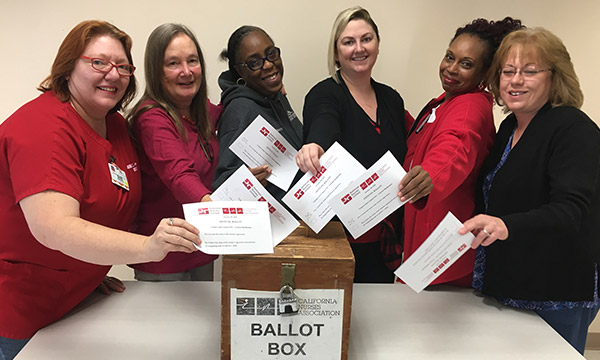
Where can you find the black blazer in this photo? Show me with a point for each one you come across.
(548, 195)
(331, 114)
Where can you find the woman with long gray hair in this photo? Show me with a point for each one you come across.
(173, 125)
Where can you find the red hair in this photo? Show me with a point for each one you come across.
(72, 48)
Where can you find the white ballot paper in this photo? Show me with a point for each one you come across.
(243, 186)
(231, 227)
(309, 197)
(371, 197)
(439, 251)
(261, 144)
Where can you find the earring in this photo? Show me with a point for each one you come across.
(241, 82)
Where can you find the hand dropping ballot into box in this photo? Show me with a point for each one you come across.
(231, 227)
(261, 144)
(439, 251)
(243, 186)
(371, 197)
(309, 197)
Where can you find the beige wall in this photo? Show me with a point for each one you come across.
(414, 35)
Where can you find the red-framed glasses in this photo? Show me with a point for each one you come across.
(105, 66)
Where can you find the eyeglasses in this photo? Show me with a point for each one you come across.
(257, 63)
(105, 66)
(528, 73)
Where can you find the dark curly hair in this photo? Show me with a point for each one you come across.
(490, 33)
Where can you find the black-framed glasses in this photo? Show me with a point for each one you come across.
(105, 66)
(273, 54)
(528, 73)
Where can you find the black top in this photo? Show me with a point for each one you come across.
(242, 105)
(331, 114)
(548, 195)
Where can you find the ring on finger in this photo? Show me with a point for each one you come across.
(487, 234)
(171, 221)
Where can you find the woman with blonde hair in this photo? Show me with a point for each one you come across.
(541, 189)
(367, 119)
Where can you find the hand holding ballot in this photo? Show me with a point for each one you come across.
(415, 185)
(308, 157)
(486, 229)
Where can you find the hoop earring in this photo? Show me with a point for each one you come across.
(240, 82)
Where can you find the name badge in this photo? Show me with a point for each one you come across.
(118, 176)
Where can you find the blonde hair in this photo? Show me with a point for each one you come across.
(550, 50)
(343, 18)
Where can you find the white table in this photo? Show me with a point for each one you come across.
(181, 320)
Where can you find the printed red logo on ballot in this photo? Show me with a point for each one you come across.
(462, 247)
(264, 131)
(240, 210)
(203, 211)
(374, 176)
(280, 146)
(346, 199)
(299, 194)
(225, 211)
(247, 184)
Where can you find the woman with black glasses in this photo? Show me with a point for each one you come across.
(173, 125)
(253, 86)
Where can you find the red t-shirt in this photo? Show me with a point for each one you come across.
(46, 145)
(175, 171)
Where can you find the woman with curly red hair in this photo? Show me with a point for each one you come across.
(451, 137)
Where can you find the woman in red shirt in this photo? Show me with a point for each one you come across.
(70, 187)
(174, 128)
(452, 136)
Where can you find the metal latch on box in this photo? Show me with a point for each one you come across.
(288, 305)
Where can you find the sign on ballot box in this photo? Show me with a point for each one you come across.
(252, 324)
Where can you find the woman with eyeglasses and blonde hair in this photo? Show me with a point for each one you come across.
(70, 188)
(537, 242)
(173, 125)
(253, 86)
(368, 119)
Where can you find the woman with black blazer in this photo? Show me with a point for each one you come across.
(541, 189)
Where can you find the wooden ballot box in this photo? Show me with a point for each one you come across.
(320, 261)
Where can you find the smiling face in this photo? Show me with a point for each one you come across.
(93, 93)
(267, 81)
(357, 48)
(182, 72)
(525, 95)
(461, 69)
